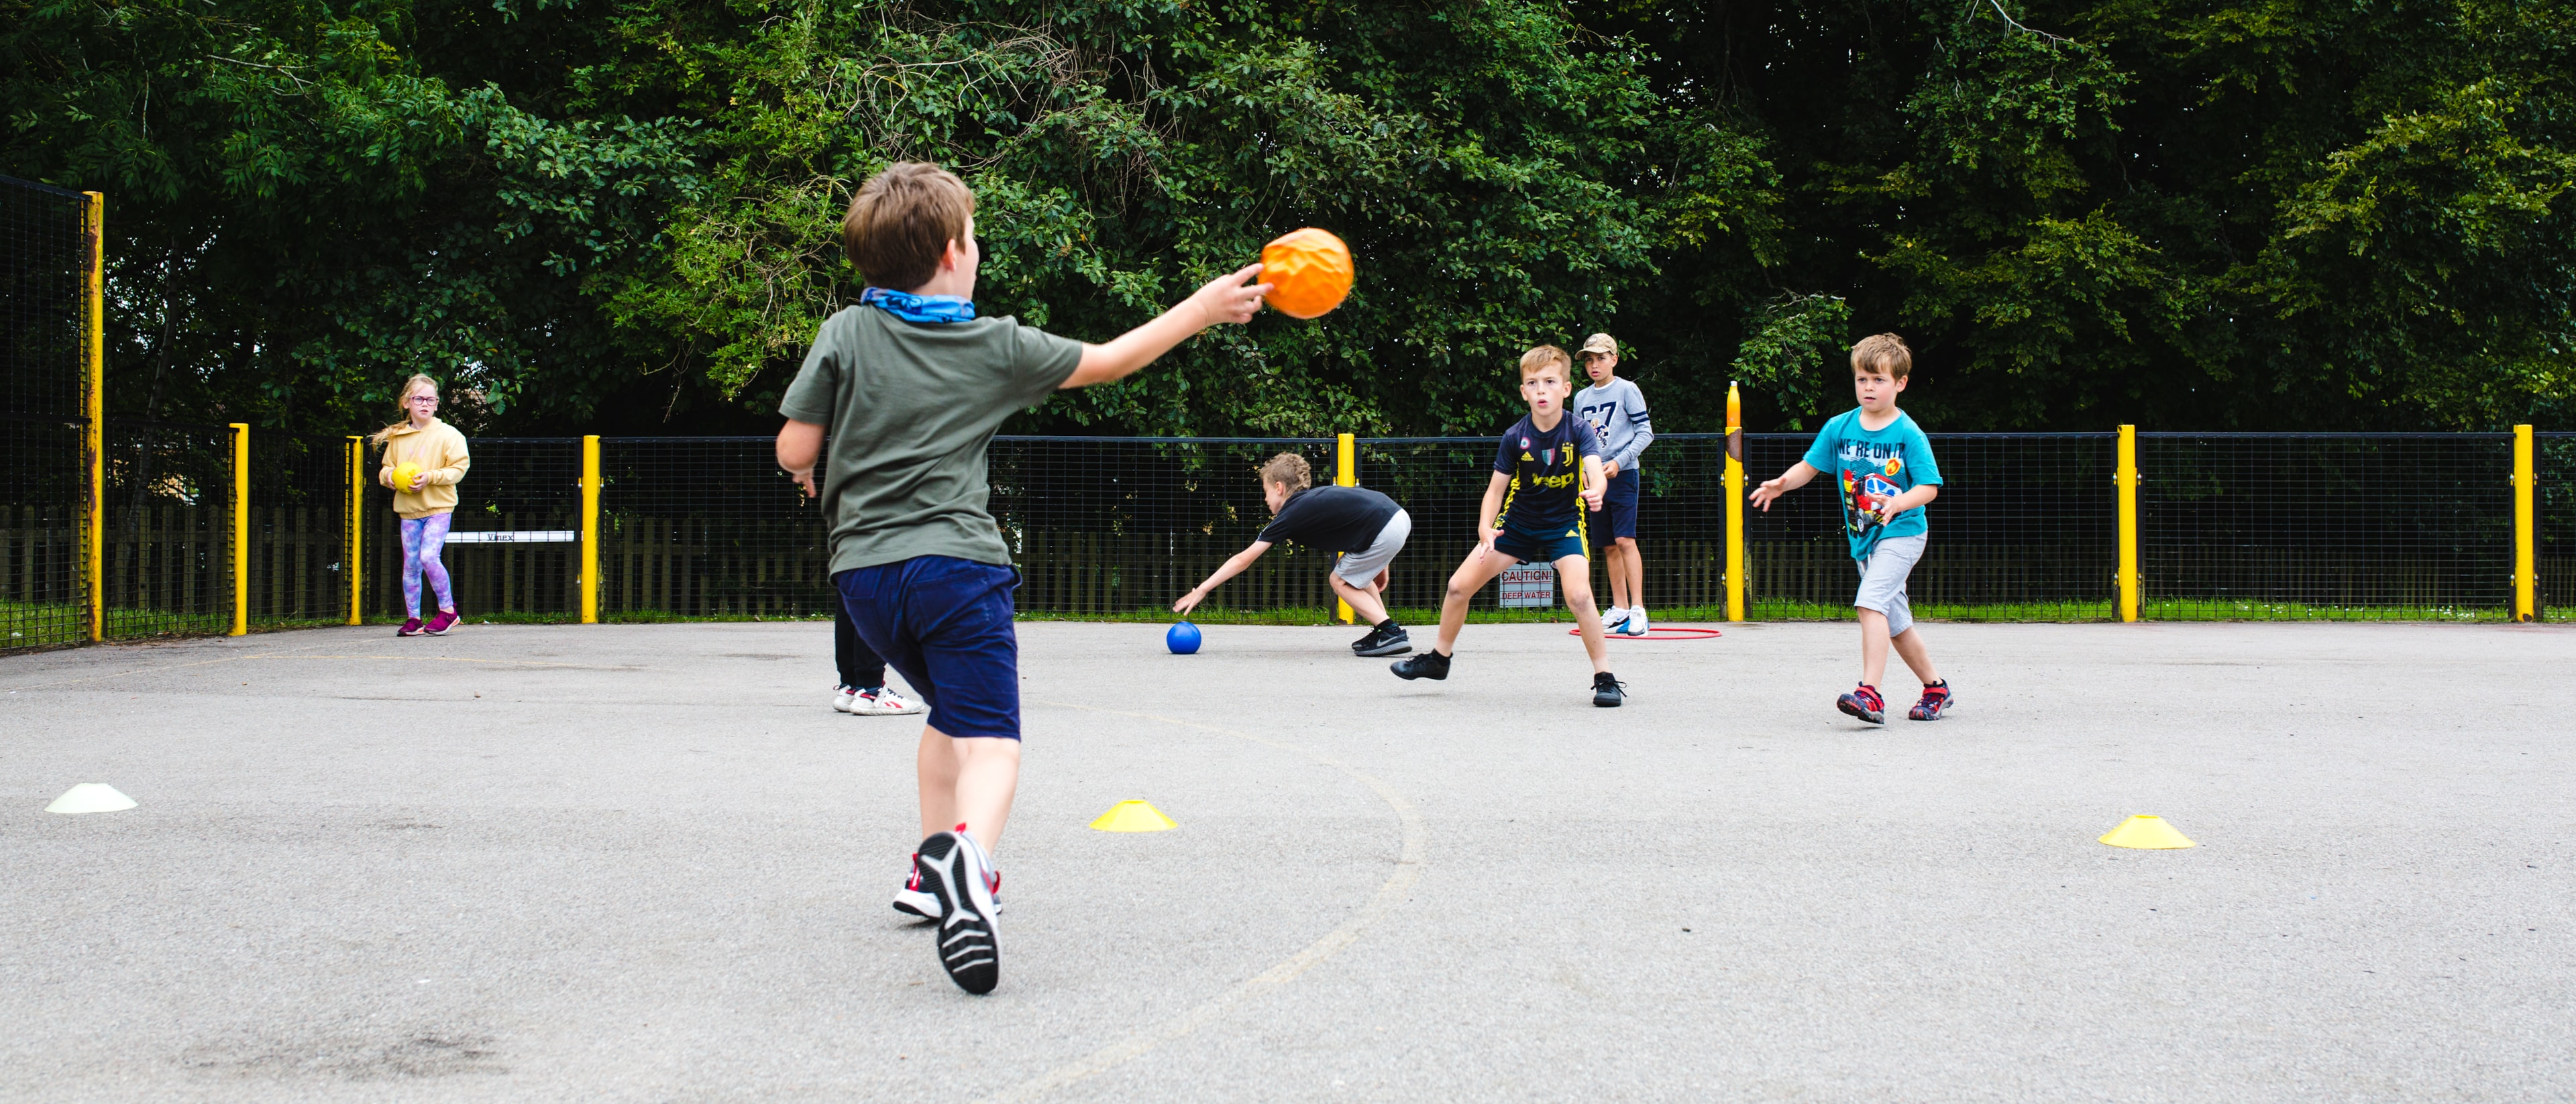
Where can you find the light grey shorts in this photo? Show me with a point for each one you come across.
(1882, 580)
(1360, 568)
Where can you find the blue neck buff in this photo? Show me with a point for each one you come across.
(919, 308)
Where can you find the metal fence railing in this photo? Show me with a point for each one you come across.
(2234, 526)
(45, 324)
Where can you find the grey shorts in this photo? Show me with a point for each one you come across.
(1360, 568)
(1882, 580)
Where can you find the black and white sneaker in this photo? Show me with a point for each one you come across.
(1430, 665)
(1607, 692)
(1383, 641)
(912, 900)
(953, 869)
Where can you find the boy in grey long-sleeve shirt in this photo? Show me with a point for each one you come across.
(1617, 413)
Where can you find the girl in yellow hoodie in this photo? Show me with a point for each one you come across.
(427, 503)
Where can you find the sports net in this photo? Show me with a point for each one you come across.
(167, 538)
(43, 326)
(2317, 526)
(2554, 504)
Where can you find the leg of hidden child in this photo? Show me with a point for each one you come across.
(862, 689)
(1367, 527)
(1546, 479)
(910, 387)
(430, 458)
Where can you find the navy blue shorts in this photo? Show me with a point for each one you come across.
(946, 624)
(1537, 548)
(1618, 516)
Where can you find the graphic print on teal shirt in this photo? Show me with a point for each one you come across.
(1869, 467)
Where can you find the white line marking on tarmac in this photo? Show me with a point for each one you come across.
(317, 655)
(1408, 870)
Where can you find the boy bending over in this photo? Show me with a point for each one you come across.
(912, 386)
(1368, 528)
(1884, 467)
(1545, 462)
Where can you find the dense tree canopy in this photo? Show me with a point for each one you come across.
(620, 215)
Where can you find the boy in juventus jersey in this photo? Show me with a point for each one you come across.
(1547, 480)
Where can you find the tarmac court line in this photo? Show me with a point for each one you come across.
(1398, 885)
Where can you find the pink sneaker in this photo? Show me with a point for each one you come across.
(439, 625)
(409, 628)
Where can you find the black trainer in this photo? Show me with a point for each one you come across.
(953, 869)
(1383, 641)
(1430, 665)
(1607, 692)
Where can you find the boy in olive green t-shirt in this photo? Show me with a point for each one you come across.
(912, 386)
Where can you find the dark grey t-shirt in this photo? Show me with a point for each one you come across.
(911, 407)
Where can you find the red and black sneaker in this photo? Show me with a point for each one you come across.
(1936, 697)
(1863, 702)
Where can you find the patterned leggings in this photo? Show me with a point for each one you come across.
(422, 540)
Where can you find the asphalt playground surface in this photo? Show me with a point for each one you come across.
(648, 863)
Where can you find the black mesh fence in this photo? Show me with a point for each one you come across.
(43, 314)
(2554, 506)
(2278, 526)
(513, 545)
(2026, 528)
(299, 518)
(706, 527)
(167, 546)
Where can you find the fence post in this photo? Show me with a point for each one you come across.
(1346, 473)
(94, 416)
(2526, 551)
(356, 540)
(2127, 479)
(1734, 503)
(590, 530)
(241, 528)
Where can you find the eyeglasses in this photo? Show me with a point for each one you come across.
(430, 399)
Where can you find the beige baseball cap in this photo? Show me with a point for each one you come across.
(1599, 343)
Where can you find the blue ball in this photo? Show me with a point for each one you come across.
(1183, 639)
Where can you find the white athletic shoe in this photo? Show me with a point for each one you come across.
(842, 697)
(881, 702)
(1636, 625)
(1614, 619)
(954, 870)
(912, 900)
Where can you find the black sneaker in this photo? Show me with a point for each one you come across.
(1383, 642)
(953, 870)
(1607, 692)
(1430, 665)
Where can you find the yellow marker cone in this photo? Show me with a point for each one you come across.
(1132, 815)
(90, 797)
(2146, 833)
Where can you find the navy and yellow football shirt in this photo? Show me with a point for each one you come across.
(1544, 499)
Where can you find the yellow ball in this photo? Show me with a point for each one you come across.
(404, 473)
(1309, 272)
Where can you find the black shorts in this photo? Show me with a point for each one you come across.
(1618, 516)
(1546, 548)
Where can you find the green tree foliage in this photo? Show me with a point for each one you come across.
(620, 214)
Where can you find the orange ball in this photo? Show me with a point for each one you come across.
(1309, 272)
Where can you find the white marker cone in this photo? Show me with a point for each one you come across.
(90, 797)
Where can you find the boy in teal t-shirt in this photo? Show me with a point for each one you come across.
(1883, 467)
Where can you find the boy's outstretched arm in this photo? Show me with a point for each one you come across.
(1227, 570)
(1224, 299)
(1790, 480)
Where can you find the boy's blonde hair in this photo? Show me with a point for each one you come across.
(901, 222)
(1886, 352)
(402, 402)
(1288, 468)
(1543, 356)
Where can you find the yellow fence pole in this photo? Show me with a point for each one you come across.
(2526, 547)
(1734, 503)
(355, 557)
(94, 416)
(590, 530)
(1346, 473)
(2127, 480)
(241, 528)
